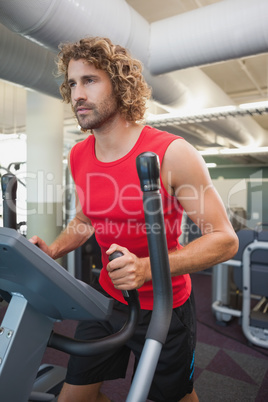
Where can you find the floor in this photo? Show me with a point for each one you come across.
(227, 369)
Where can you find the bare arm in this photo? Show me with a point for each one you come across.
(185, 176)
(189, 181)
(76, 233)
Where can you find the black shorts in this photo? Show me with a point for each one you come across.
(173, 378)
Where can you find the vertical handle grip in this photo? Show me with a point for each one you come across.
(128, 294)
(148, 168)
(9, 191)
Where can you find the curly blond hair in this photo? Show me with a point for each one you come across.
(129, 86)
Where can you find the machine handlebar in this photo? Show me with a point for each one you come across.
(148, 168)
(94, 347)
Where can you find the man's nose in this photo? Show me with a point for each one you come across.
(79, 93)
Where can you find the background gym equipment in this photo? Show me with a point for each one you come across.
(248, 270)
(9, 194)
(40, 292)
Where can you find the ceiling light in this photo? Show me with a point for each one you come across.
(5, 137)
(234, 151)
(203, 115)
(244, 150)
(208, 152)
(254, 105)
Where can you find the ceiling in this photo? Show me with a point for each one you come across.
(240, 80)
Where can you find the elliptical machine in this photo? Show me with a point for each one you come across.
(40, 292)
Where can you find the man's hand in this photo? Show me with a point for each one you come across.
(128, 271)
(41, 244)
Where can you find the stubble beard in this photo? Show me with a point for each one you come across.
(99, 115)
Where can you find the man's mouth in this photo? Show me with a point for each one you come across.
(82, 110)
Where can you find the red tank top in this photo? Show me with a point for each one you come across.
(111, 198)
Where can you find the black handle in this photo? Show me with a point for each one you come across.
(94, 347)
(115, 255)
(9, 191)
(148, 168)
(98, 346)
(9, 186)
(149, 175)
(128, 294)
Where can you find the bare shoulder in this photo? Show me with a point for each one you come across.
(181, 151)
(183, 164)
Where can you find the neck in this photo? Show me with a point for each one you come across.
(115, 141)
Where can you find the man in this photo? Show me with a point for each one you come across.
(108, 95)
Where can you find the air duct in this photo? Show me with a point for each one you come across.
(49, 22)
(26, 63)
(44, 22)
(225, 30)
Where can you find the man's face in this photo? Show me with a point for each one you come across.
(92, 95)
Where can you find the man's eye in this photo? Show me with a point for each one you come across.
(71, 84)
